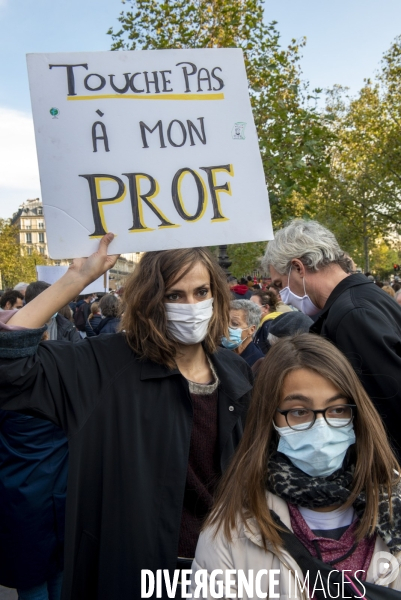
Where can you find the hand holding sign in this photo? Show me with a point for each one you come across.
(89, 269)
(82, 272)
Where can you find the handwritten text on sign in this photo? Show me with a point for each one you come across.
(157, 164)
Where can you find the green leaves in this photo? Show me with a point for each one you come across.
(361, 197)
(341, 165)
(293, 137)
(14, 266)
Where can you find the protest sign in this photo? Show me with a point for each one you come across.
(51, 274)
(158, 146)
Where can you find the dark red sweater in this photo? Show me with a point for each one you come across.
(203, 471)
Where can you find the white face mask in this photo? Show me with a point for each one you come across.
(302, 303)
(188, 323)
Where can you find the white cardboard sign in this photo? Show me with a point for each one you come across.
(51, 274)
(157, 146)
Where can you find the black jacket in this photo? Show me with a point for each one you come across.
(91, 325)
(66, 330)
(365, 324)
(129, 428)
(251, 354)
(107, 325)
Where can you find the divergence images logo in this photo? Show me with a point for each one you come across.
(385, 568)
(54, 112)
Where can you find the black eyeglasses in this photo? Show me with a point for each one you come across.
(304, 418)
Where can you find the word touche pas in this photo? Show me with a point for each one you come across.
(190, 78)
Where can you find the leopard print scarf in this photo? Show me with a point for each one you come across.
(294, 486)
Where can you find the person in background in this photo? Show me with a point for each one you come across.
(249, 281)
(21, 287)
(281, 307)
(307, 265)
(289, 324)
(285, 325)
(33, 487)
(244, 319)
(67, 313)
(82, 312)
(397, 297)
(94, 319)
(267, 301)
(240, 290)
(109, 307)
(11, 299)
(389, 290)
(314, 477)
(58, 328)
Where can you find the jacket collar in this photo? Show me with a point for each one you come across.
(233, 381)
(268, 317)
(348, 282)
(152, 370)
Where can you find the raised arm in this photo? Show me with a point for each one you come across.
(80, 274)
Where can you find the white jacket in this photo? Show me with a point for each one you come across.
(246, 553)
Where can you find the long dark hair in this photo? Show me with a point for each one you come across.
(144, 319)
(242, 491)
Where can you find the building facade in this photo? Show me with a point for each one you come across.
(30, 222)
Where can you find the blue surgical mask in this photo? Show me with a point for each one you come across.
(235, 340)
(318, 451)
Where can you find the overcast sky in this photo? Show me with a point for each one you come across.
(345, 43)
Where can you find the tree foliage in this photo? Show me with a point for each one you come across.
(14, 266)
(341, 165)
(293, 136)
(360, 198)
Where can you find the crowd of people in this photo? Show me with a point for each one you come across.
(198, 424)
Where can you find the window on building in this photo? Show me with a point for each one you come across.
(27, 224)
(41, 250)
(41, 225)
(41, 237)
(29, 250)
(40, 211)
(28, 238)
(57, 263)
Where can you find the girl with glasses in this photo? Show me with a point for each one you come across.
(314, 476)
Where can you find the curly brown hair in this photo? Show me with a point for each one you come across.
(144, 320)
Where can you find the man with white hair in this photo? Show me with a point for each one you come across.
(312, 272)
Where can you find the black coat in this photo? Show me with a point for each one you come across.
(365, 324)
(66, 330)
(129, 428)
(251, 354)
(91, 325)
(261, 337)
(107, 325)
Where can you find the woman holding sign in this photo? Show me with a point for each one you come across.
(153, 415)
